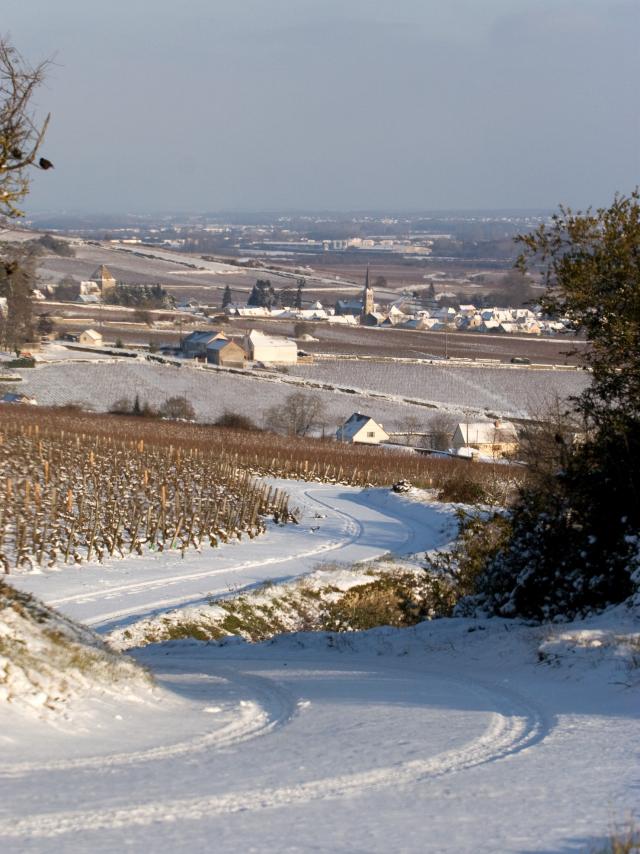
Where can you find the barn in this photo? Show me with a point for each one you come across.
(226, 354)
(270, 349)
(195, 345)
(90, 338)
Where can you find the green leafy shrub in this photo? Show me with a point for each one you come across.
(456, 574)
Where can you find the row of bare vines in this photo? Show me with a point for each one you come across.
(68, 496)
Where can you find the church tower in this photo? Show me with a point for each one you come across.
(367, 298)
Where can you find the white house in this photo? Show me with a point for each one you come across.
(90, 338)
(270, 349)
(490, 438)
(361, 429)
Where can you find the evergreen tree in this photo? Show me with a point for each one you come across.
(575, 540)
(262, 295)
(226, 297)
(298, 300)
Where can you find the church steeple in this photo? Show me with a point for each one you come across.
(367, 297)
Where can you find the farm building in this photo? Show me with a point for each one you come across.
(103, 279)
(226, 354)
(90, 338)
(18, 397)
(361, 429)
(196, 343)
(490, 438)
(270, 349)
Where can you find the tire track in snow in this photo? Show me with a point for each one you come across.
(353, 527)
(275, 708)
(515, 727)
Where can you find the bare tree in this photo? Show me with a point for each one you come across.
(178, 407)
(20, 140)
(409, 426)
(441, 428)
(298, 415)
(20, 134)
(547, 442)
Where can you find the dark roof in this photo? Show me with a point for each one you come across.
(14, 397)
(201, 336)
(221, 343)
(357, 417)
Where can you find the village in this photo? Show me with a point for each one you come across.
(253, 351)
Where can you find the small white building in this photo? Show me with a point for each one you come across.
(270, 349)
(361, 429)
(90, 338)
(487, 438)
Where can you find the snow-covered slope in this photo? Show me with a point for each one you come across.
(47, 662)
(449, 737)
(452, 736)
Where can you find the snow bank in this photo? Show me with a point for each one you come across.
(270, 610)
(46, 660)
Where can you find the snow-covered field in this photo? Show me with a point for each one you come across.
(454, 736)
(516, 392)
(99, 384)
(380, 390)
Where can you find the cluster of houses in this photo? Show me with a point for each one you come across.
(408, 313)
(521, 321)
(470, 439)
(216, 348)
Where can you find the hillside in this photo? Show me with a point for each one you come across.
(47, 661)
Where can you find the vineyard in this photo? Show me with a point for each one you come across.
(393, 391)
(79, 487)
(519, 393)
(98, 385)
(73, 493)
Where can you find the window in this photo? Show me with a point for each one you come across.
(371, 434)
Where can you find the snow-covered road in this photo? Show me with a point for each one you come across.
(337, 523)
(448, 737)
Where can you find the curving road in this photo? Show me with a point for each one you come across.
(356, 743)
(338, 524)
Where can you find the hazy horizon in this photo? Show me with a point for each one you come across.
(339, 107)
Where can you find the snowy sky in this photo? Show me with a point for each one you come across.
(334, 104)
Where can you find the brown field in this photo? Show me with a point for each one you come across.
(357, 340)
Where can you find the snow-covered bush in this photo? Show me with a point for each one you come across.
(574, 536)
(574, 542)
